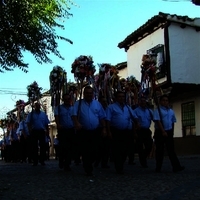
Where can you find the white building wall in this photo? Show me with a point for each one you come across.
(123, 73)
(178, 125)
(136, 51)
(49, 109)
(177, 109)
(185, 64)
(184, 54)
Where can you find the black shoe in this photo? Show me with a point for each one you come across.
(67, 169)
(61, 165)
(131, 163)
(42, 163)
(157, 170)
(77, 163)
(89, 174)
(179, 169)
(96, 164)
(144, 166)
(105, 166)
(120, 172)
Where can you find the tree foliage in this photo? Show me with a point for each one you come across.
(29, 25)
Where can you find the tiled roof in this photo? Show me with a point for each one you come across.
(121, 65)
(196, 2)
(156, 22)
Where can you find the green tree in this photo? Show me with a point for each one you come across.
(29, 25)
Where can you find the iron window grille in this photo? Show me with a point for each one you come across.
(188, 119)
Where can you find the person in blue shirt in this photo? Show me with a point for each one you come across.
(144, 134)
(7, 147)
(24, 140)
(65, 128)
(164, 118)
(105, 142)
(15, 145)
(2, 149)
(89, 120)
(120, 119)
(38, 122)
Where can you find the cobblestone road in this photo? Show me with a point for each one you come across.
(23, 181)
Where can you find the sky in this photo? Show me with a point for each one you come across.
(96, 28)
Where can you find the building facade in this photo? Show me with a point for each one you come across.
(174, 41)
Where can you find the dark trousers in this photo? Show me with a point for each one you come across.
(131, 147)
(104, 152)
(38, 141)
(56, 147)
(25, 148)
(8, 153)
(160, 142)
(144, 144)
(47, 151)
(15, 145)
(2, 153)
(77, 147)
(120, 141)
(90, 141)
(66, 146)
(23, 151)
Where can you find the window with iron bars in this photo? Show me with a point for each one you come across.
(188, 119)
(158, 54)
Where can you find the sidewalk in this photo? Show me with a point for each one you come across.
(23, 181)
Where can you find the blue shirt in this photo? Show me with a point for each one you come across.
(1, 143)
(38, 121)
(144, 116)
(55, 141)
(64, 113)
(168, 117)
(18, 132)
(23, 127)
(89, 114)
(14, 134)
(7, 140)
(120, 118)
(47, 139)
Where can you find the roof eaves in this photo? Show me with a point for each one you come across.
(121, 65)
(154, 23)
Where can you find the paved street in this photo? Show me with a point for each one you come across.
(23, 181)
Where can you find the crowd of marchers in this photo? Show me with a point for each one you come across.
(16, 145)
(94, 133)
